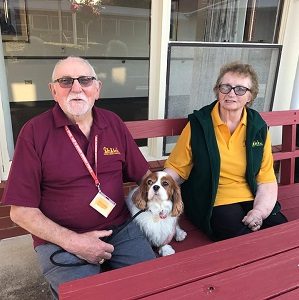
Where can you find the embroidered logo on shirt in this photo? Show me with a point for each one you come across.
(110, 151)
(257, 144)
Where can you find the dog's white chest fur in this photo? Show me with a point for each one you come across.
(159, 231)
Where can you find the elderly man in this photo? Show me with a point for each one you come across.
(66, 181)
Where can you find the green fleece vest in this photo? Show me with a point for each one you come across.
(199, 191)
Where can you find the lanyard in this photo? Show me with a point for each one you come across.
(83, 157)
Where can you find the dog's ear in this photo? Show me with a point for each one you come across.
(140, 196)
(178, 205)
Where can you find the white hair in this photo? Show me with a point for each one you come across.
(74, 58)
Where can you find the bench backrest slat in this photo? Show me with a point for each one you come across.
(283, 117)
(171, 127)
(156, 128)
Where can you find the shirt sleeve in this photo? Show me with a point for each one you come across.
(180, 159)
(135, 164)
(23, 184)
(266, 173)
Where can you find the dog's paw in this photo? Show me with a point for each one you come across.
(166, 250)
(180, 235)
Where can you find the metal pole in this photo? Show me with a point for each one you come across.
(74, 19)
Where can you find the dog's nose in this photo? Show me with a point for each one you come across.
(156, 188)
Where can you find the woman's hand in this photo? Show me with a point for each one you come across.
(263, 204)
(253, 219)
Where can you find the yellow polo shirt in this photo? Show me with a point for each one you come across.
(232, 186)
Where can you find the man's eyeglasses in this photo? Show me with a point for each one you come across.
(238, 90)
(67, 82)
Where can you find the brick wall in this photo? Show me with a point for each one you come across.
(7, 227)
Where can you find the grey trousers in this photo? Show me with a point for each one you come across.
(130, 247)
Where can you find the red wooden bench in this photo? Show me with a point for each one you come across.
(201, 268)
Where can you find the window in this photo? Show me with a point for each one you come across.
(226, 21)
(114, 36)
(194, 67)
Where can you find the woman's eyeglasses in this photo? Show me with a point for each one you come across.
(238, 90)
(67, 82)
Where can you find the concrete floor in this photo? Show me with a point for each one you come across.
(20, 277)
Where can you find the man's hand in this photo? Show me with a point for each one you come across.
(90, 247)
(253, 219)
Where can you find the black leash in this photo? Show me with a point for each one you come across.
(106, 239)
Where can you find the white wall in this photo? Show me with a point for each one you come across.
(6, 138)
(289, 38)
(160, 28)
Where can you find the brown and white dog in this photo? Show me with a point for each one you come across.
(161, 197)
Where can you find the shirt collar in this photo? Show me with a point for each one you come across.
(99, 119)
(60, 119)
(217, 120)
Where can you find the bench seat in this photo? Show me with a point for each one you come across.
(262, 265)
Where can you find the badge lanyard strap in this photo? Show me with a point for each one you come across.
(83, 157)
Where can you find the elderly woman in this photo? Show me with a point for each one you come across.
(224, 159)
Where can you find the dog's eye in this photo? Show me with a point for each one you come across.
(165, 183)
(149, 182)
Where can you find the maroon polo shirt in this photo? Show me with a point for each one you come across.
(48, 173)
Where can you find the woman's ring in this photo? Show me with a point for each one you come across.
(101, 261)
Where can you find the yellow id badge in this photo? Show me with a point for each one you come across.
(103, 204)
